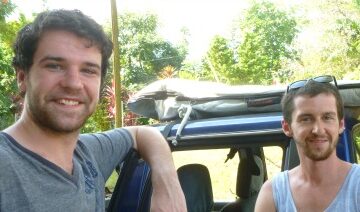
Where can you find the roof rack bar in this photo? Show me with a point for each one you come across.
(184, 113)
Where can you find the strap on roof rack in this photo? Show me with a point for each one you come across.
(184, 113)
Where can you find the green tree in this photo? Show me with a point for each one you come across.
(344, 63)
(191, 70)
(100, 120)
(219, 63)
(262, 40)
(143, 52)
(267, 37)
(328, 44)
(8, 88)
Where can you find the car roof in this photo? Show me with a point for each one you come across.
(168, 100)
(240, 124)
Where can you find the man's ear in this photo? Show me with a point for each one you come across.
(286, 128)
(21, 81)
(341, 126)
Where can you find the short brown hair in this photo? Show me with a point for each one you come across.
(69, 20)
(311, 89)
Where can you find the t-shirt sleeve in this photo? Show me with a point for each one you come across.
(108, 148)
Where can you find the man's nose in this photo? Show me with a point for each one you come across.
(72, 79)
(318, 127)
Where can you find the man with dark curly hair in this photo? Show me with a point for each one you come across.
(61, 61)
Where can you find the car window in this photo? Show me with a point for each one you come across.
(223, 175)
(273, 160)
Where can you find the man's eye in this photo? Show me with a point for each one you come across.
(329, 117)
(90, 71)
(53, 66)
(305, 119)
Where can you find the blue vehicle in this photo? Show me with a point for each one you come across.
(246, 146)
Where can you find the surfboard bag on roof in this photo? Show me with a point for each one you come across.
(164, 99)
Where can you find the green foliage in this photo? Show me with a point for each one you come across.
(357, 3)
(331, 44)
(8, 88)
(348, 63)
(143, 52)
(190, 71)
(6, 8)
(99, 120)
(356, 137)
(268, 35)
(219, 63)
(261, 41)
(187, 75)
(9, 29)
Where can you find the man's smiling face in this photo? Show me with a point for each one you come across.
(315, 125)
(63, 84)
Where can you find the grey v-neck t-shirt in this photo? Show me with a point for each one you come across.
(29, 182)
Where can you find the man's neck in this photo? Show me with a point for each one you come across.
(58, 148)
(315, 184)
(322, 171)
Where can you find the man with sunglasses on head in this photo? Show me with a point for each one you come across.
(61, 60)
(313, 114)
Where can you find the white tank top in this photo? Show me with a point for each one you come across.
(346, 200)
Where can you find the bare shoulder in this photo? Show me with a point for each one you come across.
(265, 200)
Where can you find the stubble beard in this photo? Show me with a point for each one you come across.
(47, 119)
(316, 154)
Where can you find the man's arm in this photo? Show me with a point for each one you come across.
(265, 200)
(167, 192)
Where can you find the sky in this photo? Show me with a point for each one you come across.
(203, 18)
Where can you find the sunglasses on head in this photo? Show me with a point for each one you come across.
(302, 83)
